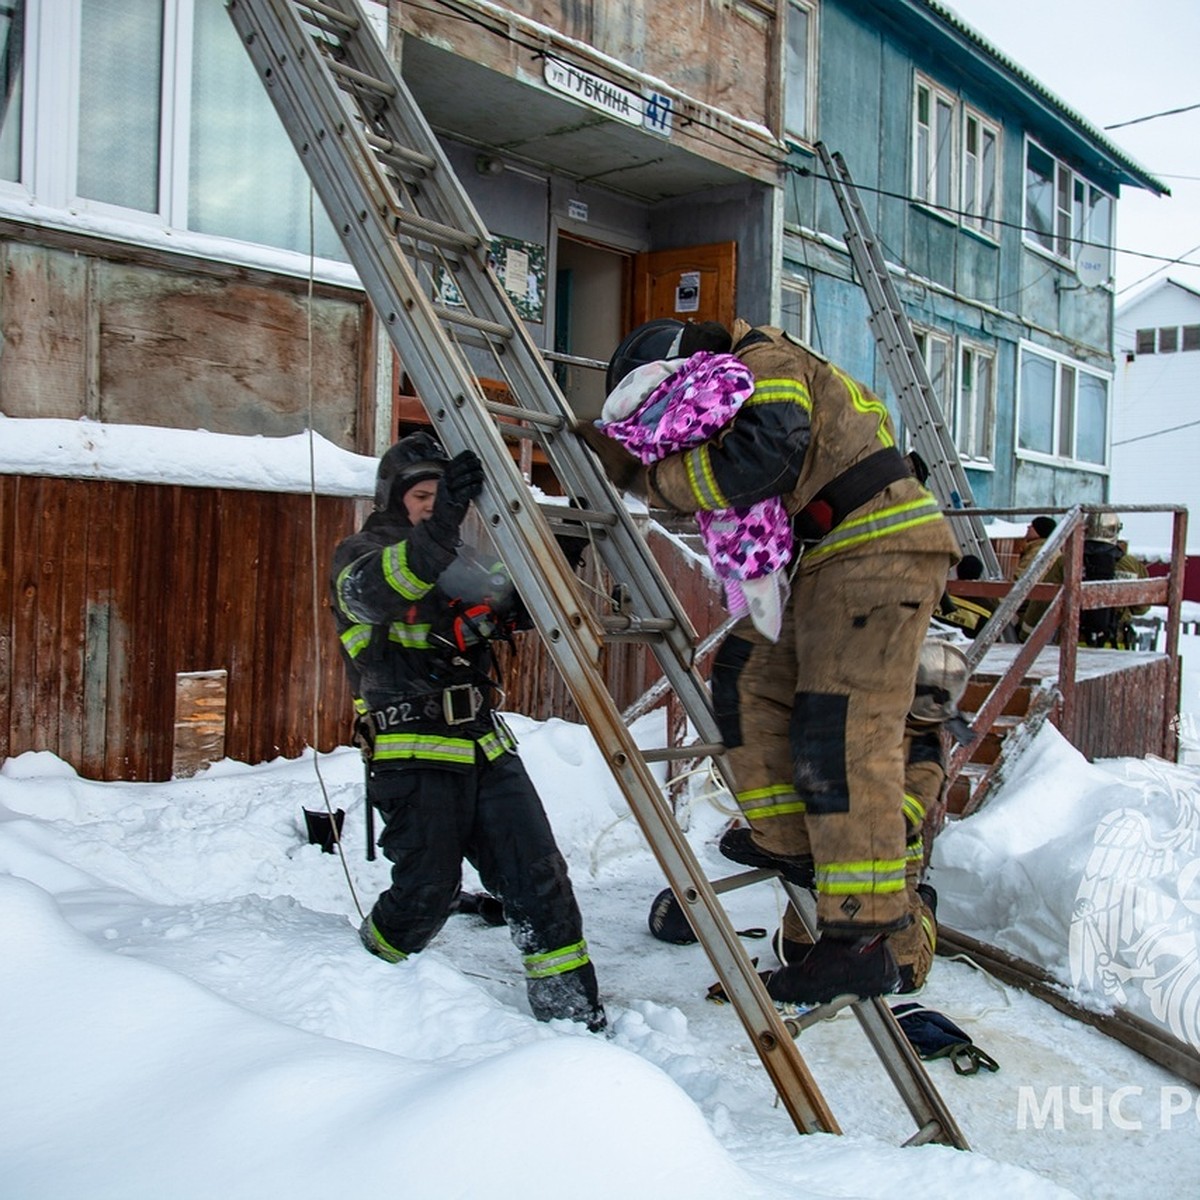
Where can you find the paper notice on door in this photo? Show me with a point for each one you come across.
(687, 293)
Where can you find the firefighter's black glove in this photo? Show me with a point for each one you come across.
(461, 483)
(624, 470)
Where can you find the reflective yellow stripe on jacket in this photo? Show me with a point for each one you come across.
(356, 638)
(698, 462)
(880, 524)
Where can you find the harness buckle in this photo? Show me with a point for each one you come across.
(460, 703)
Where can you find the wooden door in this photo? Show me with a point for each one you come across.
(696, 283)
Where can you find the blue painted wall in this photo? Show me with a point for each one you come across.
(992, 292)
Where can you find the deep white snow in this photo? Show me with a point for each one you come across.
(188, 1013)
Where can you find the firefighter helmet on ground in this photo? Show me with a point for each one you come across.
(942, 675)
(414, 458)
(668, 922)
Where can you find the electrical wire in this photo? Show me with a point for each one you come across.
(1170, 112)
(314, 548)
(1160, 270)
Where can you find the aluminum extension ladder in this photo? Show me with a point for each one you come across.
(421, 252)
(906, 368)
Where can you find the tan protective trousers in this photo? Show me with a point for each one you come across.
(821, 764)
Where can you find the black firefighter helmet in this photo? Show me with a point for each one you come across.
(664, 338)
(414, 458)
(668, 922)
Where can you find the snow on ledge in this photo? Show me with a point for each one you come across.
(86, 449)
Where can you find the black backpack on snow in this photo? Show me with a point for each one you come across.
(1100, 627)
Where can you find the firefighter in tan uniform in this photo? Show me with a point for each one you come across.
(819, 754)
(942, 677)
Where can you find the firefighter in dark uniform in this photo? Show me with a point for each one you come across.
(818, 748)
(415, 611)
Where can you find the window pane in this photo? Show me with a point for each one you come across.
(1191, 337)
(966, 401)
(982, 447)
(795, 80)
(1039, 195)
(970, 203)
(246, 180)
(1091, 419)
(1066, 411)
(987, 199)
(1037, 404)
(944, 164)
(793, 317)
(1099, 230)
(12, 38)
(923, 188)
(1168, 339)
(1064, 246)
(937, 360)
(1145, 341)
(120, 98)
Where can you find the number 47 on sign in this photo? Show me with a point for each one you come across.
(657, 113)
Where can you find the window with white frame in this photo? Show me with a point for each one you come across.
(12, 55)
(1064, 214)
(150, 112)
(799, 68)
(981, 173)
(794, 307)
(955, 158)
(975, 412)
(1062, 408)
(933, 144)
(937, 352)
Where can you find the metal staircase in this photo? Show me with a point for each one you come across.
(421, 252)
(905, 366)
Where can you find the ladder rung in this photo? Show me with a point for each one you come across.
(360, 78)
(930, 1130)
(433, 231)
(454, 317)
(822, 1012)
(344, 19)
(637, 625)
(682, 753)
(557, 514)
(731, 883)
(392, 150)
(543, 420)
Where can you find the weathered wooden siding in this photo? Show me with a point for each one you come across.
(1119, 713)
(131, 340)
(108, 590)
